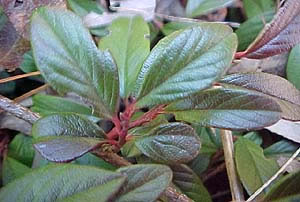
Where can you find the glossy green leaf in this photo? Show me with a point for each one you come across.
(21, 149)
(145, 182)
(257, 7)
(275, 87)
(69, 60)
(129, 44)
(188, 182)
(286, 186)
(12, 169)
(293, 70)
(281, 148)
(200, 7)
(250, 29)
(82, 8)
(170, 143)
(185, 62)
(130, 149)
(66, 124)
(252, 166)
(47, 104)
(227, 108)
(64, 148)
(65, 182)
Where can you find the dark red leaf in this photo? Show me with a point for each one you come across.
(278, 36)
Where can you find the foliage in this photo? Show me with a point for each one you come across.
(154, 105)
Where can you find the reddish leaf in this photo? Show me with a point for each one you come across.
(278, 36)
(282, 91)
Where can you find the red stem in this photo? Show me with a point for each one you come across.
(239, 55)
(148, 116)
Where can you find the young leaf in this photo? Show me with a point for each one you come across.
(250, 29)
(82, 8)
(200, 7)
(235, 109)
(28, 64)
(21, 149)
(277, 88)
(257, 7)
(66, 124)
(287, 186)
(145, 182)
(278, 36)
(66, 182)
(47, 104)
(64, 148)
(185, 62)
(12, 169)
(292, 69)
(252, 166)
(69, 60)
(170, 143)
(129, 45)
(91, 160)
(188, 182)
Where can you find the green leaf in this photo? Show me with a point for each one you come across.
(200, 7)
(249, 30)
(273, 86)
(64, 148)
(171, 27)
(281, 148)
(92, 160)
(227, 108)
(254, 137)
(65, 182)
(293, 70)
(130, 149)
(210, 142)
(66, 124)
(12, 169)
(129, 45)
(21, 149)
(257, 7)
(82, 8)
(47, 104)
(28, 64)
(293, 198)
(286, 186)
(69, 60)
(252, 166)
(170, 143)
(200, 163)
(145, 182)
(185, 62)
(188, 182)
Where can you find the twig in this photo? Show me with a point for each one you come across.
(234, 182)
(280, 171)
(30, 93)
(174, 196)
(18, 110)
(12, 78)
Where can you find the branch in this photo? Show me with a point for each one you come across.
(234, 182)
(18, 110)
(170, 193)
